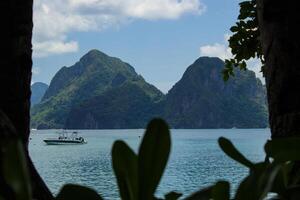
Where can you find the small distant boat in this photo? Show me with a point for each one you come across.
(65, 138)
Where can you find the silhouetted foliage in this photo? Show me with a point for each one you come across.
(244, 41)
(138, 175)
(276, 175)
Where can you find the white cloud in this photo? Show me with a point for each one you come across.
(223, 51)
(143, 9)
(163, 9)
(42, 49)
(255, 65)
(216, 50)
(54, 19)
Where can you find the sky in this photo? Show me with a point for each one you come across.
(159, 38)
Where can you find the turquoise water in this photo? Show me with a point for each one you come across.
(196, 160)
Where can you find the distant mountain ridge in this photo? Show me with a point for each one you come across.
(201, 99)
(103, 92)
(38, 90)
(72, 87)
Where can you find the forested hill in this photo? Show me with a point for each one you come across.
(117, 96)
(201, 99)
(38, 90)
(103, 92)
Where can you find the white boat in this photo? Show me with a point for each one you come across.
(66, 138)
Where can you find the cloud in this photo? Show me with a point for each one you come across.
(55, 19)
(141, 9)
(42, 49)
(217, 50)
(163, 9)
(222, 50)
(255, 65)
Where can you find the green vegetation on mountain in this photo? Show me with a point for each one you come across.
(201, 99)
(126, 106)
(102, 92)
(38, 90)
(81, 84)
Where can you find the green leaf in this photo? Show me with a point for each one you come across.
(228, 69)
(286, 172)
(225, 75)
(232, 152)
(153, 156)
(244, 191)
(204, 194)
(244, 41)
(243, 65)
(15, 169)
(295, 179)
(234, 29)
(266, 181)
(293, 192)
(221, 191)
(248, 188)
(283, 178)
(77, 192)
(283, 149)
(258, 183)
(125, 165)
(279, 186)
(172, 196)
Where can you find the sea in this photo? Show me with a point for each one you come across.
(196, 161)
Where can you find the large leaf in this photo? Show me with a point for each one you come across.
(295, 179)
(172, 196)
(77, 192)
(293, 192)
(283, 178)
(153, 156)
(203, 194)
(221, 191)
(15, 169)
(258, 183)
(266, 181)
(125, 165)
(283, 149)
(244, 191)
(233, 153)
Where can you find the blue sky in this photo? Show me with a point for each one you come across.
(159, 38)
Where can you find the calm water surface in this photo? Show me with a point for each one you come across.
(196, 160)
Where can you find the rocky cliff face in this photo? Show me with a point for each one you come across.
(72, 87)
(201, 99)
(103, 92)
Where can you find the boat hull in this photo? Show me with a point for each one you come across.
(63, 142)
